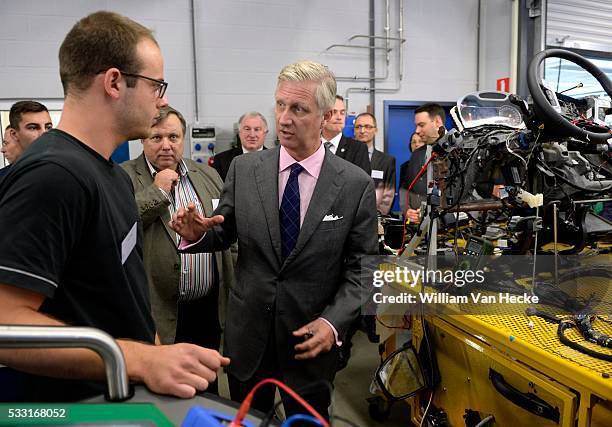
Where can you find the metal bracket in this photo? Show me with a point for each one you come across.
(354, 46)
(534, 7)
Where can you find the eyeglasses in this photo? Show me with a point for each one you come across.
(163, 85)
(366, 127)
(161, 88)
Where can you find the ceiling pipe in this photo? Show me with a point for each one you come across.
(373, 58)
(195, 62)
(400, 72)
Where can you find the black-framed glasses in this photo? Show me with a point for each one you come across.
(163, 85)
(366, 127)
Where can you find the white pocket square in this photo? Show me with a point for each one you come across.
(332, 217)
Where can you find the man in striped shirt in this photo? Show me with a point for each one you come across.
(185, 288)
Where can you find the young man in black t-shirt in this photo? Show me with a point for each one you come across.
(71, 251)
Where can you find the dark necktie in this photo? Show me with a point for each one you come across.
(290, 211)
(328, 145)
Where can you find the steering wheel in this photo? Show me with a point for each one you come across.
(550, 115)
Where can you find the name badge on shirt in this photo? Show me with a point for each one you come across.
(215, 203)
(376, 174)
(128, 243)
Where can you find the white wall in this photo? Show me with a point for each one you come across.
(495, 42)
(242, 44)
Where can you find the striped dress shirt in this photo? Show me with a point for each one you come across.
(197, 270)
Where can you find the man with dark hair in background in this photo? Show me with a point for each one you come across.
(71, 250)
(185, 288)
(252, 131)
(342, 146)
(429, 120)
(28, 120)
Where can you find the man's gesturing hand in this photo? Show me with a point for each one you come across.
(190, 225)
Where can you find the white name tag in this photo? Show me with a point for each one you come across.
(215, 203)
(128, 243)
(376, 174)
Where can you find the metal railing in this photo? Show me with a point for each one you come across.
(74, 337)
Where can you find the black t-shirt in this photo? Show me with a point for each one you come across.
(71, 231)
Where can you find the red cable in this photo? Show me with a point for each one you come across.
(410, 187)
(422, 171)
(246, 404)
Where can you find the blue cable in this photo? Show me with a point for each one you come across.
(301, 417)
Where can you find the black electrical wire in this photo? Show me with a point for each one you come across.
(566, 324)
(470, 156)
(583, 323)
(476, 220)
(599, 167)
(549, 294)
(461, 191)
(430, 354)
(571, 184)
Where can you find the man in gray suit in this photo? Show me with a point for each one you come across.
(184, 288)
(303, 218)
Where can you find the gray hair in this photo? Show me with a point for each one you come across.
(253, 114)
(325, 93)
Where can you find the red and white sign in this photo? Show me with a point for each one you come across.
(503, 85)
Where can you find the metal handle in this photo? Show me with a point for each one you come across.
(73, 337)
(527, 401)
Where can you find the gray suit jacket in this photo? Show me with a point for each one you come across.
(320, 278)
(161, 259)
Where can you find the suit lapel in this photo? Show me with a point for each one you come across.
(200, 187)
(375, 162)
(331, 180)
(266, 178)
(341, 151)
(145, 179)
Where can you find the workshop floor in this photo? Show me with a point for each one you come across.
(352, 389)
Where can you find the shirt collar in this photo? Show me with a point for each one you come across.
(311, 164)
(335, 140)
(244, 150)
(183, 170)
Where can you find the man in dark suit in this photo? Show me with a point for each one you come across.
(252, 132)
(342, 146)
(186, 290)
(304, 219)
(383, 165)
(407, 174)
(429, 120)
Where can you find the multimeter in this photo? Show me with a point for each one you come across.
(476, 249)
